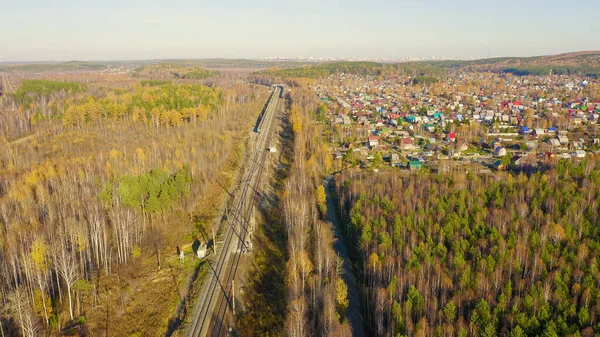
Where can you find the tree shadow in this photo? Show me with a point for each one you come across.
(182, 307)
(195, 246)
(264, 293)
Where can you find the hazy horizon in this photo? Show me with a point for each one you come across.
(183, 29)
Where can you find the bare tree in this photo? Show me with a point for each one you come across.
(67, 267)
(4, 312)
(20, 309)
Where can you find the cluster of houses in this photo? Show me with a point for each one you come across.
(474, 116)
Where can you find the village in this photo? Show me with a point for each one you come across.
(476, 122)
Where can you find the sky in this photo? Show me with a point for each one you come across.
(62, 30)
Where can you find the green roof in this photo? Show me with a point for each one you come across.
(415, 164)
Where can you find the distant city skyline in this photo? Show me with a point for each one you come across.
(62, 30)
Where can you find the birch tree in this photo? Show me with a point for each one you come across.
(68, 269)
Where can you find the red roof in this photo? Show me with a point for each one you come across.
(517, 103)
(373, 137)
(452, 135)
(407, 141)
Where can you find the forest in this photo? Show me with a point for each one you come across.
(585, 64)
(102, 181)
(476, 255)
(321, 71)
(174, 70)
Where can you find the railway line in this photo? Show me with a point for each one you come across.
(5, 85)
(216, 299)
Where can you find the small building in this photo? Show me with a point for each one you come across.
(415, 164)
(407, 143)
(373, 141)
(500, 151)
(517, 160)
(579, 154)
(462, 146)
(451, 137)
(539, 132)
(201, 252)
(564, 140)
(499, 166)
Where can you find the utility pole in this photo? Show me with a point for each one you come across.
(214, 240)
(233, 295)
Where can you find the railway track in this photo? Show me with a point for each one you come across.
(216, 299)
(6, 86)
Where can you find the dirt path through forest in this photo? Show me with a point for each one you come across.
(353, 311)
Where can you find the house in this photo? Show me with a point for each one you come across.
(456, 149)
(432, 147)
(517, 160)
(451, 137)
(499, 166)
(500, 151)
(579, 154)
(563, 140)
(373, 141)
(407, 143)
(462, 146)
(554, 142)
(538, 132)
(428, 127)
(415, 164)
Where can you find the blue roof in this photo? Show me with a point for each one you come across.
(525, 128)
(552, 129)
